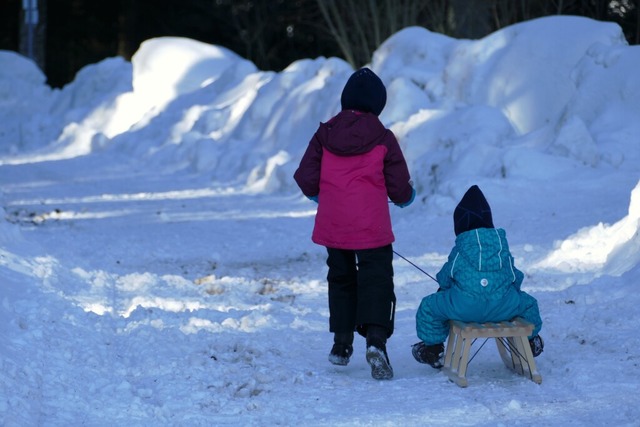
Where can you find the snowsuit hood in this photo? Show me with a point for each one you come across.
(483, 265)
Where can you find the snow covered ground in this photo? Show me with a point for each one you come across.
(156, 266)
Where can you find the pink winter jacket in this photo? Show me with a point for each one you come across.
(352, 164)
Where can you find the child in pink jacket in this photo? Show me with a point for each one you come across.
(352, 166)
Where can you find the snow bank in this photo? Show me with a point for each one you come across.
(167, 67)
(500, 69)
(611, 249)
(24, 103)
(191, 105)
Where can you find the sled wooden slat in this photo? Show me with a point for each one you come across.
(512, 341)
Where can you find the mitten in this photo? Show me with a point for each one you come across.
(405, 204)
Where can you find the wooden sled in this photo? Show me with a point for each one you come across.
(511, 339)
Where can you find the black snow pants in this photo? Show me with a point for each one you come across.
(361, 289)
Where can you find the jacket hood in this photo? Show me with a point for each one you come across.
(486, 249)
(350, 133)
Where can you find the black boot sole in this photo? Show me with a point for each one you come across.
(380, 367)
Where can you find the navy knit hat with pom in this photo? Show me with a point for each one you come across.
(364, 92)
(472, 212)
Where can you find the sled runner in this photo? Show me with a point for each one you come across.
(511, 339)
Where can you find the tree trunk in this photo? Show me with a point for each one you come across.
(33, 26)
(637, 40)
(127, 37)
(472, 18)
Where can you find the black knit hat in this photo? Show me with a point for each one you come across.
(365, 92)
(472, 212)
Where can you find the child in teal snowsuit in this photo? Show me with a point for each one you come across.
(478, 283)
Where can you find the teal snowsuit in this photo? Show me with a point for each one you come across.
(478, 283)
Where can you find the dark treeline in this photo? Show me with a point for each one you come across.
(70, 34)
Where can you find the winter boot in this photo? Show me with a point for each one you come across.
(429, 354)
(537, 345)
(342, 348)
(377, 353)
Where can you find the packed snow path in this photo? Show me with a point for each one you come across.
(140, 300)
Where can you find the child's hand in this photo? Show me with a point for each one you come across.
(405, 204)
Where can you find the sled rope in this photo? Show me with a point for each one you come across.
(432, 278)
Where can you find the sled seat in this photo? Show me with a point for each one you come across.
(512, 341)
